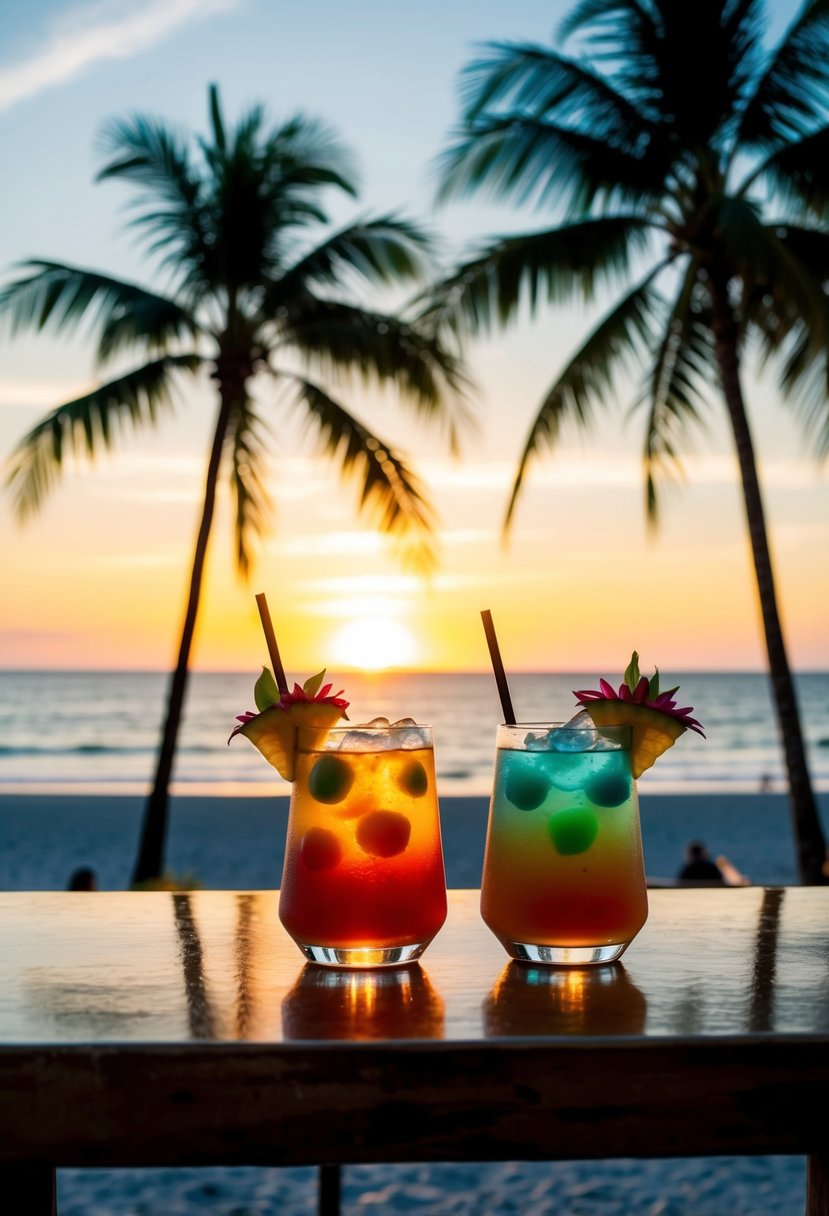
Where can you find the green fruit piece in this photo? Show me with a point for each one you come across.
(608, 789)
(383, 833)
(331, 779)
(414, 779)
(573, 831)
(320, 849)
(525, 788)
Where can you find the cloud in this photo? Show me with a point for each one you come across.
(597, 469)
(90, 34)
(43, 394)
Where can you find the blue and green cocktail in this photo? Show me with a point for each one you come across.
(564, 878)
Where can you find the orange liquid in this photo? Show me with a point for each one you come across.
(568, 871)
(363, 861)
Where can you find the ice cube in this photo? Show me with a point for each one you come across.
(361, 739)
(412, 738)
(535, 742)
(367, 736)
(408, 735)
(605, 745)
(577, 735)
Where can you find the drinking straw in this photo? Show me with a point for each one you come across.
(270, 638)
(498, 668)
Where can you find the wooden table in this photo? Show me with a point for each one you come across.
(159, 1029)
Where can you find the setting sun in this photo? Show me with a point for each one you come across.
(374, 643)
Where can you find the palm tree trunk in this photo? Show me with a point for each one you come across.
(808, 833)
(150, 860)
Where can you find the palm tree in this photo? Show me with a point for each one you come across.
(690, 166)
(255, 293)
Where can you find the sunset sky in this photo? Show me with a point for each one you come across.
(99, 578)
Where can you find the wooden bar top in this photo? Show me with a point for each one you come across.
(186, 1028)
(126, 967)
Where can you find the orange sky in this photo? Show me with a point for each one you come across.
(99, 579)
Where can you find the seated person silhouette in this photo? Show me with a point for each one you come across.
(82, 879)
(698, 867)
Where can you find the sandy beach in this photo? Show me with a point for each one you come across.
(236, 843)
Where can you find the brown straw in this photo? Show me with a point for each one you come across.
(270, 638)
(498, 668)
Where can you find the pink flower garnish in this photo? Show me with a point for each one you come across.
(298, 693)
(639, 690)
(269, 696)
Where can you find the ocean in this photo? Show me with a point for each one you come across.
(97, 732)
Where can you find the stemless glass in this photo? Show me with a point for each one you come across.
(564, 877)
(363, 883)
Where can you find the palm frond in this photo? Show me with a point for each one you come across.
(253, 505)
(804, 384)
(217, 122)
(762, 257)
(555, 265)
(652, 50)
(170, 211)
(306, 152)
(790, 96)
(796, 341)
(598, 19)
(798, 174)
(676, 385)
(262, 186)
(87, 424)
(588, 379)
(525, 78)
(61, 297)
(381, 251)
(337, 338)
(624, 33)
(527, 160)
(390, 495)
(776, 315)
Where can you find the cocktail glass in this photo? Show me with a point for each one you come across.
(363, 882)
(564, 877)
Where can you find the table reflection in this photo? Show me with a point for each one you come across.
(399, 1003)
(528, 1000)
(200, 1014)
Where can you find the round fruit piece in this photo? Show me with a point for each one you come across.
(526, 789)
(652, 732)
(608, 788)
(320, 849)
(383, 833)
(573, 831)
(331, 779)
(413, 779)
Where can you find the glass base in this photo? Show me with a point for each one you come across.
(565, 956)
(363, 956)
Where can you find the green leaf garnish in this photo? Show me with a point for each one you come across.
(265, 691)
(653, 685)
(632, 676)
(313, 683)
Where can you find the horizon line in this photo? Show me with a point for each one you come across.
(389, 671)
